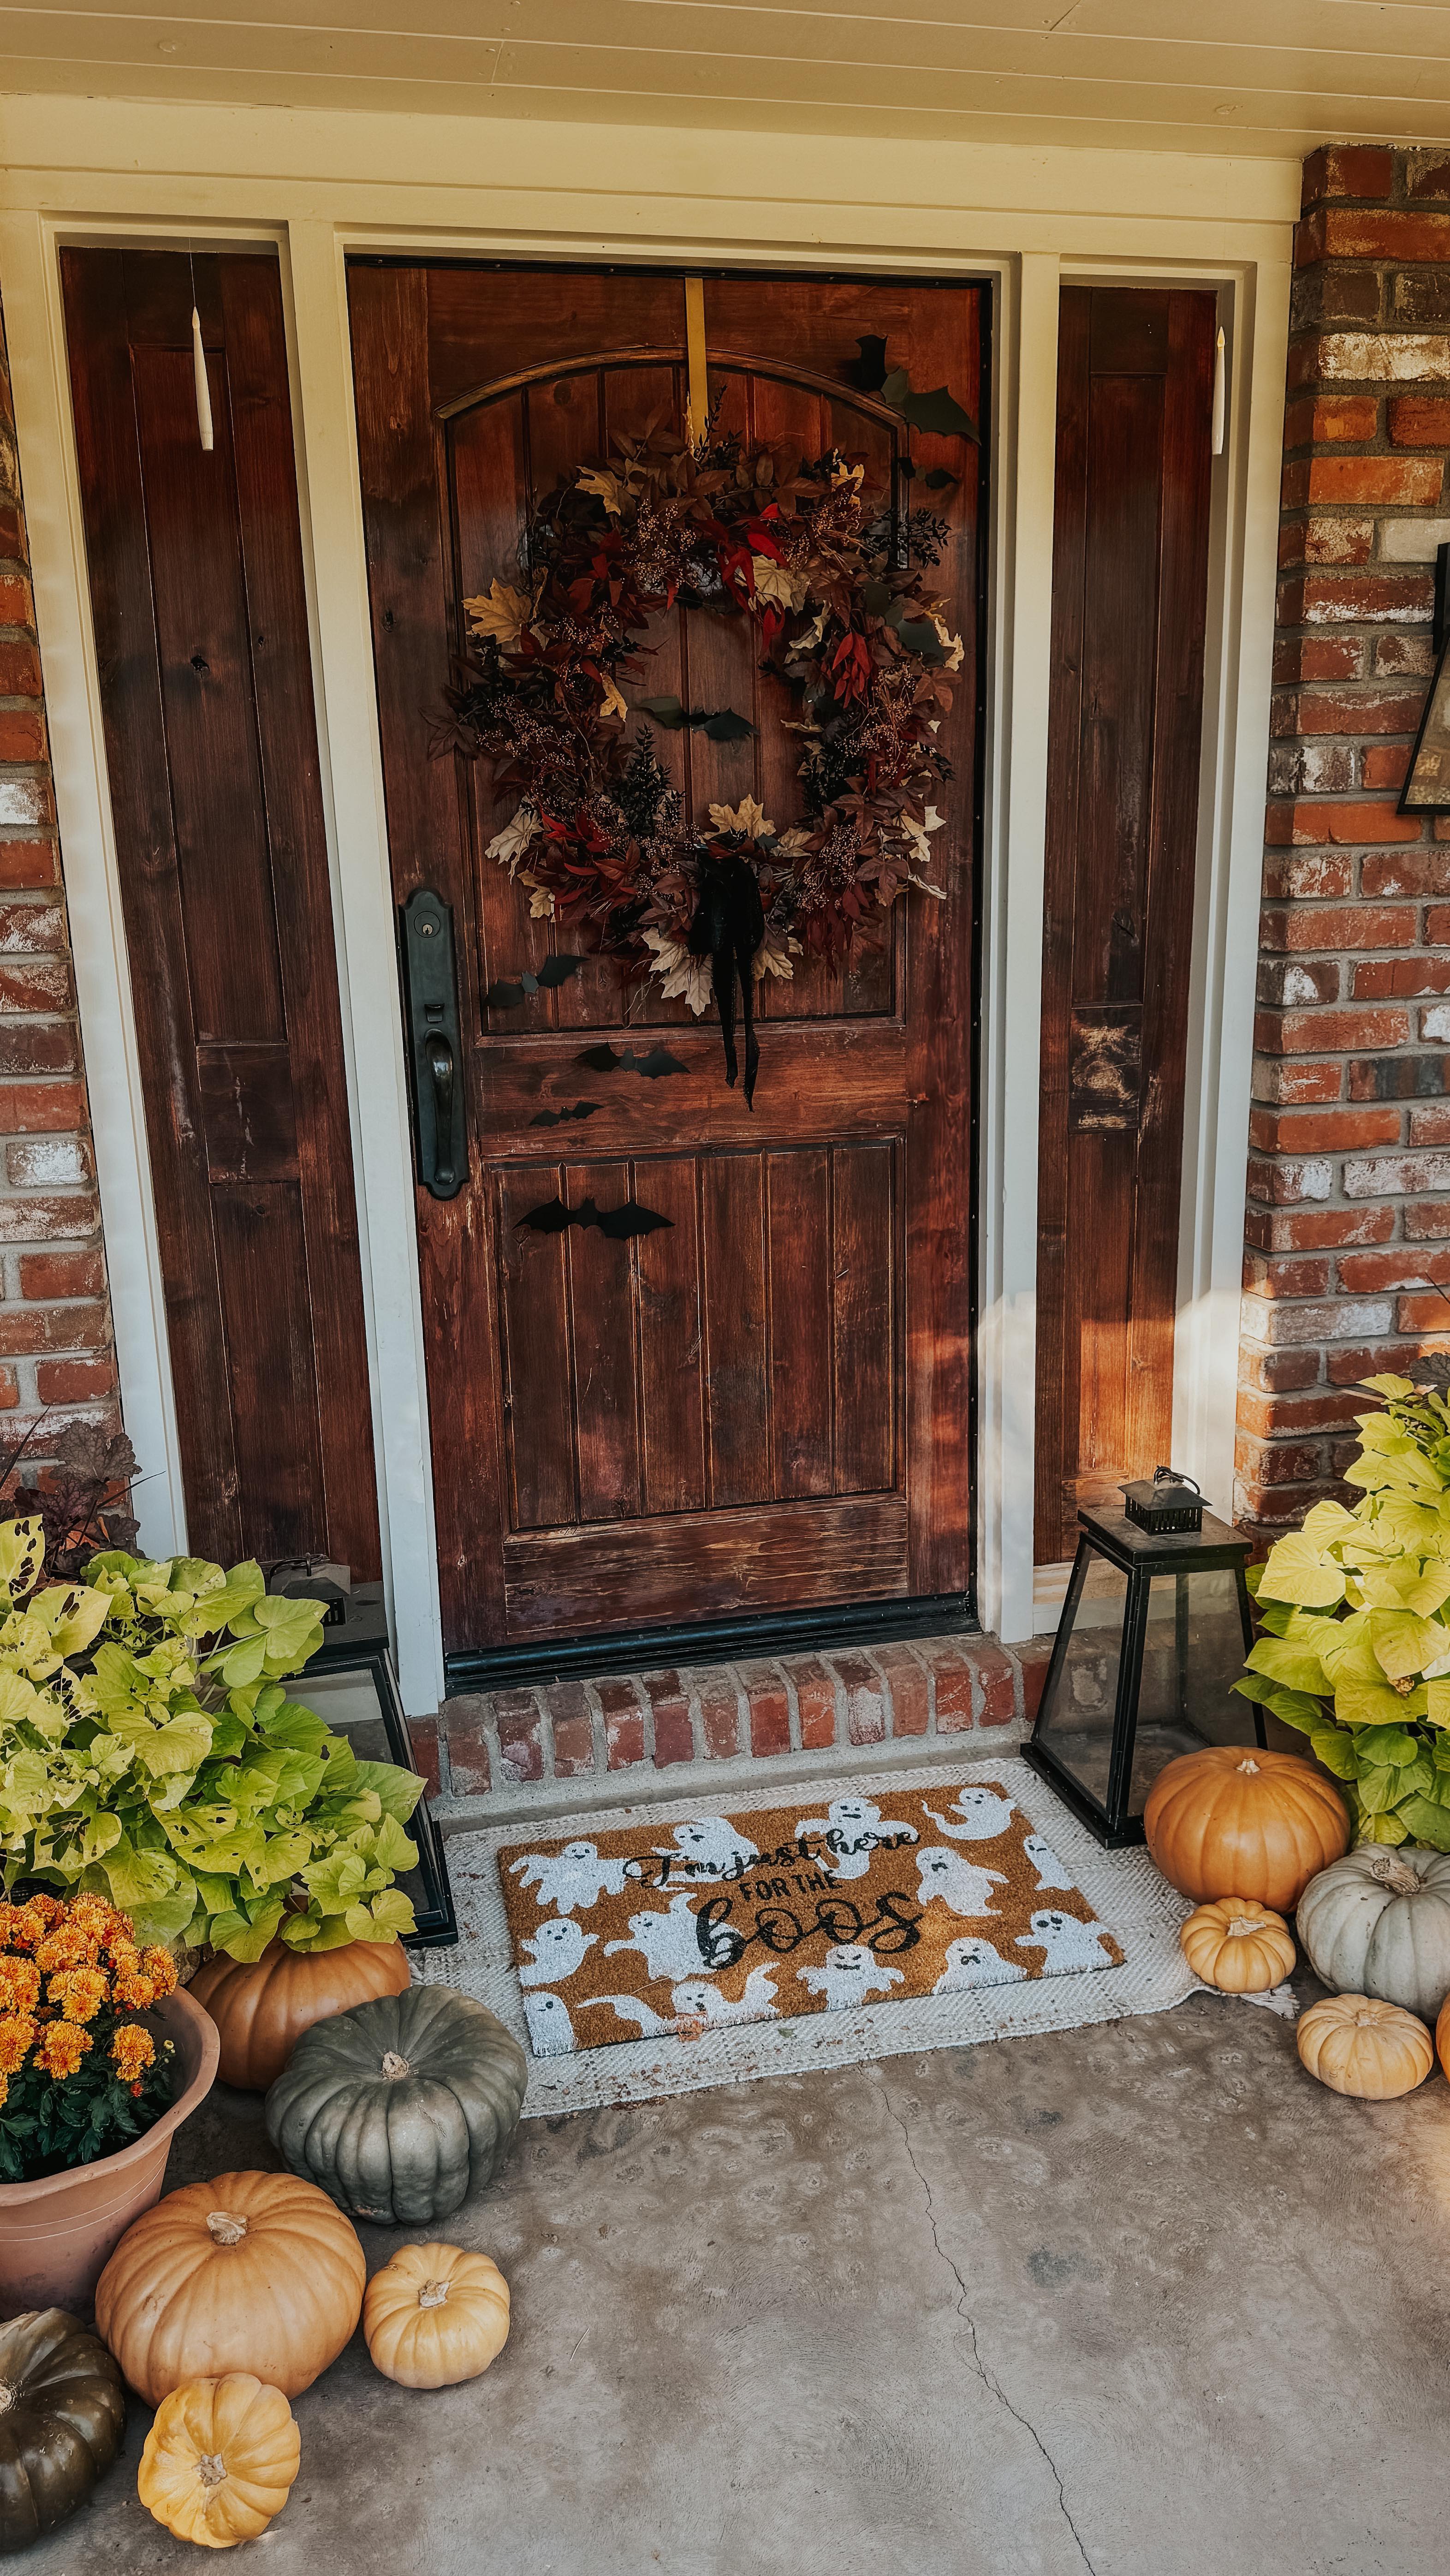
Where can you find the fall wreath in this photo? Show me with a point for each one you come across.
(838, 585)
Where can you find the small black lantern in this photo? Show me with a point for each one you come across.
(351, 1684)
(1153, 1635)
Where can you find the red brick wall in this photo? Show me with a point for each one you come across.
(1349, 1170)
(55, 1322)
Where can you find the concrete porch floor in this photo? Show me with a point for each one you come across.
(1139, 2299)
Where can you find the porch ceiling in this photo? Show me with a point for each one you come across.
(1271, 77)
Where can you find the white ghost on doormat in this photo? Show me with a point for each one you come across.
(1050, 1872)
(697, 2001)
(963, 1886)
(551, 2032)
(978, 1816)
(976, 1963)
(667, 1943)
(1068, 1942)
(710, 1843)
(848, 1975)
(857, 1827)
(558, 1949)
(574, 1876)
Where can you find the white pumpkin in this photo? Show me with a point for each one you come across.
(1378, 1923)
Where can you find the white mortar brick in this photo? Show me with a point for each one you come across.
(23, 800)
(1374, 357)
(1385, 1176)
(1412, 540)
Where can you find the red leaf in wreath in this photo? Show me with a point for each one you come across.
(850, 666)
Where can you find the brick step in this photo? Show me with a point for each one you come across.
(484, 1748)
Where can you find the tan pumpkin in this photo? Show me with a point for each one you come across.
(261, 2007)
(1238, 1946)
(1355, 2044)
(436, 2315)
(1251, 1823)
(219, 2462)
(253, 2272)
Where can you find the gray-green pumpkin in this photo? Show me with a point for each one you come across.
(1377, 1923)
(401, 2108)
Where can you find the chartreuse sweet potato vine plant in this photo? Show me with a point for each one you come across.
(149, 1752)
(1356, 1649)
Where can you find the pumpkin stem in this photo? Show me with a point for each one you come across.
(1247, 1764)
(1386, 1871)
(394, 2065)
(7, 2397)
(432, 2294)
(225, 2226)
(1244, 1924)
(211, 2468)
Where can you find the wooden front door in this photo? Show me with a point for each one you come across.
(1129, 609)
(200, 613)
(763, 1405)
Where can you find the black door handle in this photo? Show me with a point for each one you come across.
(435, 1054)
(440, 1065)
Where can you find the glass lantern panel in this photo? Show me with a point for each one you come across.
(1193, 1653)
(1078, 1726)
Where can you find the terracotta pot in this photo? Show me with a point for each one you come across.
(262, 2006)
(57, 2234)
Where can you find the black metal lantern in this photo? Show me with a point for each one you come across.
(1153, 1634)
(351, 1684)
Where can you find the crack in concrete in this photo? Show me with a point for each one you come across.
(985, 2373)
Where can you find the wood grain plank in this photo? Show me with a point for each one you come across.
(259, 399)
(601, 1274)
(725, 1562)
(267, 1317)
(865, 1361)
(732, 1199)
(802, 1389)
(671, 1339)
(534, 1299)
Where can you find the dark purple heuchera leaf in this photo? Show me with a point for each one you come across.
(81, 1498)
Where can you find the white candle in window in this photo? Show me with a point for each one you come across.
(203, 389)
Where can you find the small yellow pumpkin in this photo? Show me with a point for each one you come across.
(1355, 2044)
(220, 2459)
(436, 2315)
(1238, 1945)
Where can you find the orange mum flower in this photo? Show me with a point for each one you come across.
(133, 2050)
(80, 1992)
(61, 2050)
(17, 2032)
(94, 1916)
(4, 2090)
(124, 1956)
(136, 1992)
(160, 1967)
(66, 1947)
(24, 1925)
(19, 1985)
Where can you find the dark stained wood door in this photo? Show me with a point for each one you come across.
(765, 1404)
(1129, 606)
(201, 633)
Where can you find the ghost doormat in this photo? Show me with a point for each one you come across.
(836, 1901)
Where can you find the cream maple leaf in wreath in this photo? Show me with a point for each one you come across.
(837, 584)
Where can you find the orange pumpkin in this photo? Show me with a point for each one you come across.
(1442, 2035)
(253, 2272)
(435, 2315)
(220, 2460)
(1231, 1821)
(1355, 2044)
(261, 2007)
(1238, 1946)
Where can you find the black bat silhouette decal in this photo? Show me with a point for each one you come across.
(658, 1060)
(554, 970)
(561, 1117)
(618, 1223)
